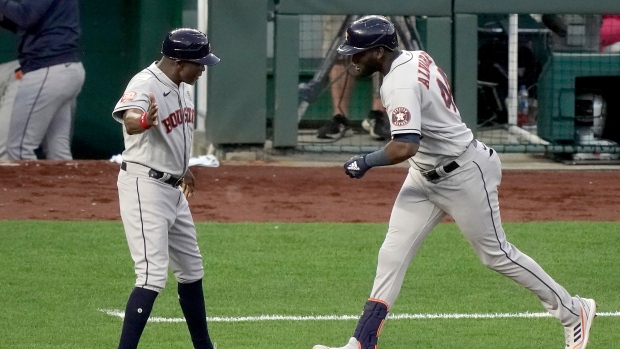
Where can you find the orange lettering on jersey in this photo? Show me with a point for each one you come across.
(167, 124)
(177, 118)
(446, 92)
(424, 62)
(424, 82)
(173, 120)
(189, 115)
(128, 96)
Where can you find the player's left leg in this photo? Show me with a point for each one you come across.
(473, 203)
(186, 264)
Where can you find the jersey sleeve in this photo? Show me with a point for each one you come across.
(136, 96)
(403, 109)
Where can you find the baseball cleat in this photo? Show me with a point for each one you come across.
(381, 129)
(578, 334)
(351, 345)
(338, 127)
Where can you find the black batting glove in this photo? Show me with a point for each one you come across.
(356, 167)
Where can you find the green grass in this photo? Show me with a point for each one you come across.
(56, 275)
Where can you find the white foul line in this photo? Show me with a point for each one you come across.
(121, 314)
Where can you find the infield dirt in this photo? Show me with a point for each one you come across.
(86, 190)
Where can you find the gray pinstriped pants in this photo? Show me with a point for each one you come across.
(470, 196)
(43, 112)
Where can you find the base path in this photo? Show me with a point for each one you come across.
(86, 190)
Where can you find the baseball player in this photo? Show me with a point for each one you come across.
(157, 114)
(451, 173)
(49, 54)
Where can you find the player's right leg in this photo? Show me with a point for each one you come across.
(412, 219)
(147, 211)
(57, 142)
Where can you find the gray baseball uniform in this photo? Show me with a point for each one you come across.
(157, 115)
(452, 174)
(158, 224)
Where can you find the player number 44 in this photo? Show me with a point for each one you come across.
(446, 92)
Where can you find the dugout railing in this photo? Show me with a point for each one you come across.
(264, 113)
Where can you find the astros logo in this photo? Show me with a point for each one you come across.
(401, 116)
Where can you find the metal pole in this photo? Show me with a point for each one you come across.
(513, 66)
(201, 84)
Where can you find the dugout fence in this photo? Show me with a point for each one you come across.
(494, 52)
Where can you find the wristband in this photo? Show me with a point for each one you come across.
(143, 122)
(377, 158)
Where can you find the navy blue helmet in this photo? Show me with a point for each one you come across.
(186, 44)
(368, 32)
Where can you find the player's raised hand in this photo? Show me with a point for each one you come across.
(151, 113)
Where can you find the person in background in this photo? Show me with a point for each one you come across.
(48, 32)
(342, 82)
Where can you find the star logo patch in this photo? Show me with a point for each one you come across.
(128, 96)
(400, 116)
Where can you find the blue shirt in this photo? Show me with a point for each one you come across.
(48, 31)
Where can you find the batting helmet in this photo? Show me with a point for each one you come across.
(187, 44)
(368, 32)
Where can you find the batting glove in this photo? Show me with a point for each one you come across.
(356, 167)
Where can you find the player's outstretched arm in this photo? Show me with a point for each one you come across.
(398, 151)
(395, 152)
(136, 121)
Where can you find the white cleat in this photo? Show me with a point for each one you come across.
(351, 345)
(578, 334)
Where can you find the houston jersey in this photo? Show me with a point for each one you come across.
(418, 99)
(165, 147)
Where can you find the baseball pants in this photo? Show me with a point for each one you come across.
(43, 112)
(159, 228)
(469, 195)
